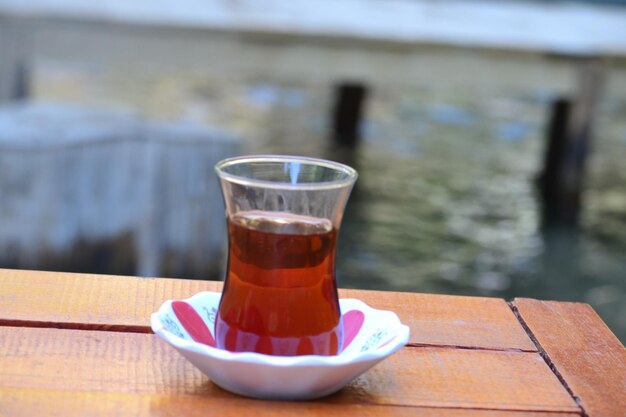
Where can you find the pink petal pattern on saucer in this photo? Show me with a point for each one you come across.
(369, 336)
(352, 323)
(193, 323)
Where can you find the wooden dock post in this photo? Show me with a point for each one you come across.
(569, 137)
(347, 113)
(14, 71)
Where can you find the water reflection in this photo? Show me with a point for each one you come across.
(452, 208)
(445, 200)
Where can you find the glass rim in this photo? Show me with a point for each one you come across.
(351, 173)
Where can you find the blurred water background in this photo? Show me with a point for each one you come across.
(446, 200)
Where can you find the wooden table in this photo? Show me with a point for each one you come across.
(81, 345)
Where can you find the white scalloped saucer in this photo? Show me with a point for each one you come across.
(369, 336)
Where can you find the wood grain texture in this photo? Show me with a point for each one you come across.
(88, 301)
(586, 354)
(18, 402)
(84, 301)
(134, 363)
(447, 320)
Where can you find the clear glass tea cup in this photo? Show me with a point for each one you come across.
(280, 291)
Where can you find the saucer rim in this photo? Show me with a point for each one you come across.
(398, 340)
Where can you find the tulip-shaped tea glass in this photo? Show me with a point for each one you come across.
(280, 293)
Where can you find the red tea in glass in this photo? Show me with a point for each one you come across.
(280, 292)
(281, 296)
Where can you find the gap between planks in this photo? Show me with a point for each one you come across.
(492, 349)
(547, 358)
(147, 330)
(76, 326)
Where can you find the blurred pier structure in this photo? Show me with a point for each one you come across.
(263, 37)
(101, 190)
(351, 42)
(224, 36)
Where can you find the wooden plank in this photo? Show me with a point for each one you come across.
(51, 299)
(57, 299)
(585, 353)
(134, 363)
(18, 402)
(447, 320)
